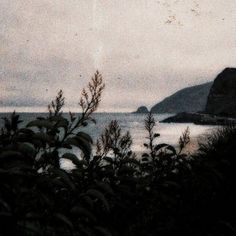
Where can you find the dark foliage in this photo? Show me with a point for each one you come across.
(114, 192)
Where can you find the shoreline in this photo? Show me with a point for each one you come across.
(200, 119)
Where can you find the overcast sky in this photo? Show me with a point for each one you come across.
(145, 49)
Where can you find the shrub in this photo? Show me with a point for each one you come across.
(165, 192)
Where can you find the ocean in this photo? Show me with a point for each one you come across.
(134, 123)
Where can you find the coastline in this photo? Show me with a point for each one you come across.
(200, 119)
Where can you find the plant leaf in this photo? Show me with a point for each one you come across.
(160, 146)
(85, 136)
(64, 219)
(76, 210)
(103, 231)
(97, 194)
(40, 123)
(73, 158)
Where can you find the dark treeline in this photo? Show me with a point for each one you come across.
(113, 192)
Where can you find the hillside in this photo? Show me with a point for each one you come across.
(190, 99)
(222, 95)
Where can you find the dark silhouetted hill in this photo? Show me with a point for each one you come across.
(190, 99)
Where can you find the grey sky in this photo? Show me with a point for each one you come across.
(145, 49)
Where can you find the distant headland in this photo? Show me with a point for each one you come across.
(209, 103)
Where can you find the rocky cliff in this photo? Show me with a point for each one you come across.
(222, 96)
(190, 99)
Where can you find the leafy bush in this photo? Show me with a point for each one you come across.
(163, 192)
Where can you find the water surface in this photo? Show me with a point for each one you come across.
(134, 123)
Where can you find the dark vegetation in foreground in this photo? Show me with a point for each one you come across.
(113, 192)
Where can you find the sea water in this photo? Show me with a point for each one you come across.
(134, 123)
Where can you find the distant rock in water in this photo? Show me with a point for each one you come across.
(190, 99)
(142, 109)
(222, 96)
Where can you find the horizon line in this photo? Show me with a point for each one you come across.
(40, 109)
